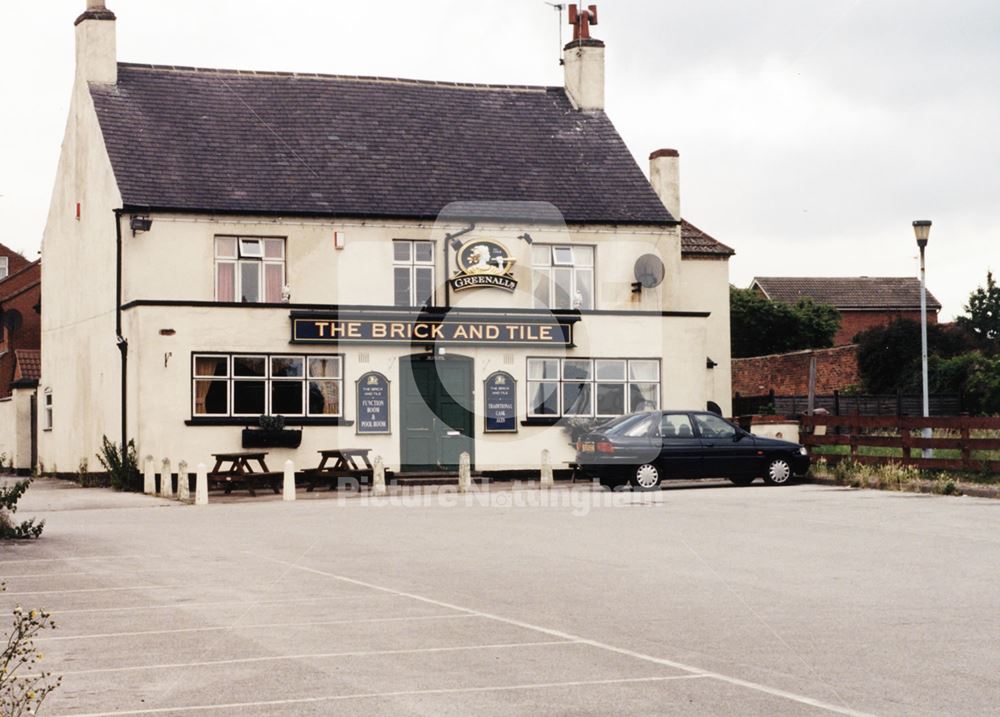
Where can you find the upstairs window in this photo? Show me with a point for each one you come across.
(562, 276)
(4, 267)
(413, 273)
(249, 270)
(47, 410)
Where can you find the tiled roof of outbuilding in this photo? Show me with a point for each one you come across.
(29, 363)
(855, 292)
(270, 143)
(696, 242)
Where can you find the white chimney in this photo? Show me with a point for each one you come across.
(96, 52)
(664, 175)
(583, 61)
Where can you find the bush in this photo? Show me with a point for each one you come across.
(123, 472)
(22, 690)
(9, 530)
(759, 326)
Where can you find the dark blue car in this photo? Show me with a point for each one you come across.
(646, 448)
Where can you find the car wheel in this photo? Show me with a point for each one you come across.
(645, 477)
(742, 480)
(779, 472)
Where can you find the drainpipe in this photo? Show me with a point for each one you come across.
(119, 339)
(447, 244)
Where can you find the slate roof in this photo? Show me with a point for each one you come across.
(29, 363)
(856, 292)
(229, 141)
(695, 242)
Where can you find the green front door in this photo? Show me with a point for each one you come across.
(436, 412)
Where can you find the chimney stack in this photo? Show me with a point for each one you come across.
(664, 175)
(96, 51)
(583, 62)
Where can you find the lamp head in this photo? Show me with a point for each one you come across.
(922, 229)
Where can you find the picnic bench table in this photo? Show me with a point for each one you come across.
(346, 463)
(240, 472)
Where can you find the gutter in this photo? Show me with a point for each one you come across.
(119, 339)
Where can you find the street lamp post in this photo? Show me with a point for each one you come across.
(922, 229)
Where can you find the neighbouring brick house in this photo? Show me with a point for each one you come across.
(863, 301)
(20, 360)
(20, 322)
(788, 374)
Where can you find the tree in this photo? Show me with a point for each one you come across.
(983, 320)
(889, 356)
(759, 326)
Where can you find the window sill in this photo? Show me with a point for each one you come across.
(541, 421)
(251, 422)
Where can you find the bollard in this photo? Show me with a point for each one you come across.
(288, 487)
(149, 477)
(378, 477)
(201, 486)
(464, 473)
(545, 475)
(183, 488)
(166, 481)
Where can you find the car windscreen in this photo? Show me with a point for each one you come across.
(634, 425)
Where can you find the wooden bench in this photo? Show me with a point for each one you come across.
(345, 465)
(240, 473)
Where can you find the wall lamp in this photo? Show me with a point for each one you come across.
(526, 238)
(139, 223)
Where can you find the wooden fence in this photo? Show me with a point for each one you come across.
(901, 440)
(843, 404)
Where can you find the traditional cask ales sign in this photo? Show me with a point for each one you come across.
(452, 328)
(501, 403)
(373, 403)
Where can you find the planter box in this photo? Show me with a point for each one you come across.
(261, 438)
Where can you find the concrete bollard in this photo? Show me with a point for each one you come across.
(149, 477)
(288, 486)
(166, 481)
(378, 477)
(183, 489)
(201, 485)
(464, 473)
(546, 476)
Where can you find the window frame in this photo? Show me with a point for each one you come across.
(412, 264)
(48, 411)
(269, 379)
(561, 381)
(4, 267)
(550, 269)
(238, 259)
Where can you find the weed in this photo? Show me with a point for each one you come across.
(9, 530)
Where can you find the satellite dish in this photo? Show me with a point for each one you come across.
(649, 271)
(12, 319)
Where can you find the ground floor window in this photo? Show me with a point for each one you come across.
(592, 387)
(246, 385)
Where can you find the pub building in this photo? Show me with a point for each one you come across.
(418, 268)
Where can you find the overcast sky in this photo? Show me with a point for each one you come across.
(811, 133)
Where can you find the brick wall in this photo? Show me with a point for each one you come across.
(854, 322)
(22, 292)
(788, 374)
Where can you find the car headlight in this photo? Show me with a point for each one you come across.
(803, 451)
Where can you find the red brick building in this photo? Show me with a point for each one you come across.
(863, 301)
(20, 318)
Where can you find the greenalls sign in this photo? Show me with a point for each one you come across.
(483, 264)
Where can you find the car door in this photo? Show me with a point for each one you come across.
(726, 450)
(680, 447)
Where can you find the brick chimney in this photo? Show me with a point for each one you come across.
(96, 52)
(664, 175)
(583, 62)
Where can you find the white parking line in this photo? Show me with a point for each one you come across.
(87, 590)
(197, 605)
(72, 557)
(54, 575)
(377, 695)
(257, 626)
(317, 656)
(766, 689)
